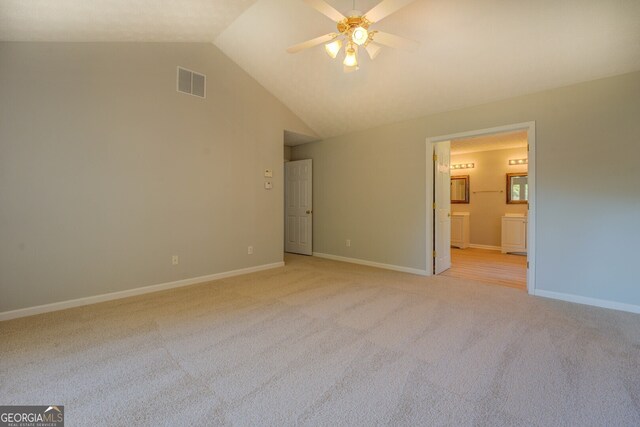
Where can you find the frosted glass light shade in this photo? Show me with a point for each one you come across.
(333, 48)
(359, 35)
(350, 58)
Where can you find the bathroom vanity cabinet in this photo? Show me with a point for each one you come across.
(460, 229)
(514, 233)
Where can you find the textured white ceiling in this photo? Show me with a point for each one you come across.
(292, 139)
(117, 20)
(470, 52)
(500, 141)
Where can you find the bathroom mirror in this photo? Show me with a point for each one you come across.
(460, 189)
(517, 188)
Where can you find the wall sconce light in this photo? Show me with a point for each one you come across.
(518, 162)
(463, 166)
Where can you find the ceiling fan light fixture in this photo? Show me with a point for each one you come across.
(360, 35)
(353, 31)
(373, 50)
(333, 48)
(350, 56)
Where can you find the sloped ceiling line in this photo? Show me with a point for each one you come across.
(471, 52)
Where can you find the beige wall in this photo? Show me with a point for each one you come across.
(106, 171)
(487, 208)
(370, 186)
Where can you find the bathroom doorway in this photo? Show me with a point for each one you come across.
(482, 222)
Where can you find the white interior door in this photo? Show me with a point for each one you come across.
(298, 207)
(442, 209)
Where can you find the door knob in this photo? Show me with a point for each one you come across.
(308, 212)
(449, 214)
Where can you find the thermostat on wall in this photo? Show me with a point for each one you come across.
(268, 173)
(268, 185)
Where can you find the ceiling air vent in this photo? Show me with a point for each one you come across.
(192, 83)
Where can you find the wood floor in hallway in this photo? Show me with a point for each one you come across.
(489, 266)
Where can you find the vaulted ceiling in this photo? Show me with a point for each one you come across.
(470, 52)
(117, 20)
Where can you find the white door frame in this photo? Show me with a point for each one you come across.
(530, 127)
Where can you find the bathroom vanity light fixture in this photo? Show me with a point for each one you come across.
(515, 162)
(463, 166)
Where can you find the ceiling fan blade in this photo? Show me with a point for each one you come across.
(313, 42)
(394, 41)
(373, 50)
(326, 9)
(385, 8)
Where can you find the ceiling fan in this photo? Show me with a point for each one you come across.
(353, 32)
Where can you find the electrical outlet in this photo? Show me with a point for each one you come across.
(348, 243)
(175, 260)
(250, 250)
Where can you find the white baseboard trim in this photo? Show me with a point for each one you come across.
(371, 263)
(491, 248)
(30, 311)
(588, 301)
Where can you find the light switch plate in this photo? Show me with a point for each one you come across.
(268, 185)
(268, 173)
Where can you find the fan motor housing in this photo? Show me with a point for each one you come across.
(348, 24)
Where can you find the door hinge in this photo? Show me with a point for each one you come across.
(434, 205)
(527, 147)
(527, 264)
(434, 254)
(435, 157)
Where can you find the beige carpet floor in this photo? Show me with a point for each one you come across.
(320, 342)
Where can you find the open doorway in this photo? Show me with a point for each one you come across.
(298, 197)
(482, 221)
